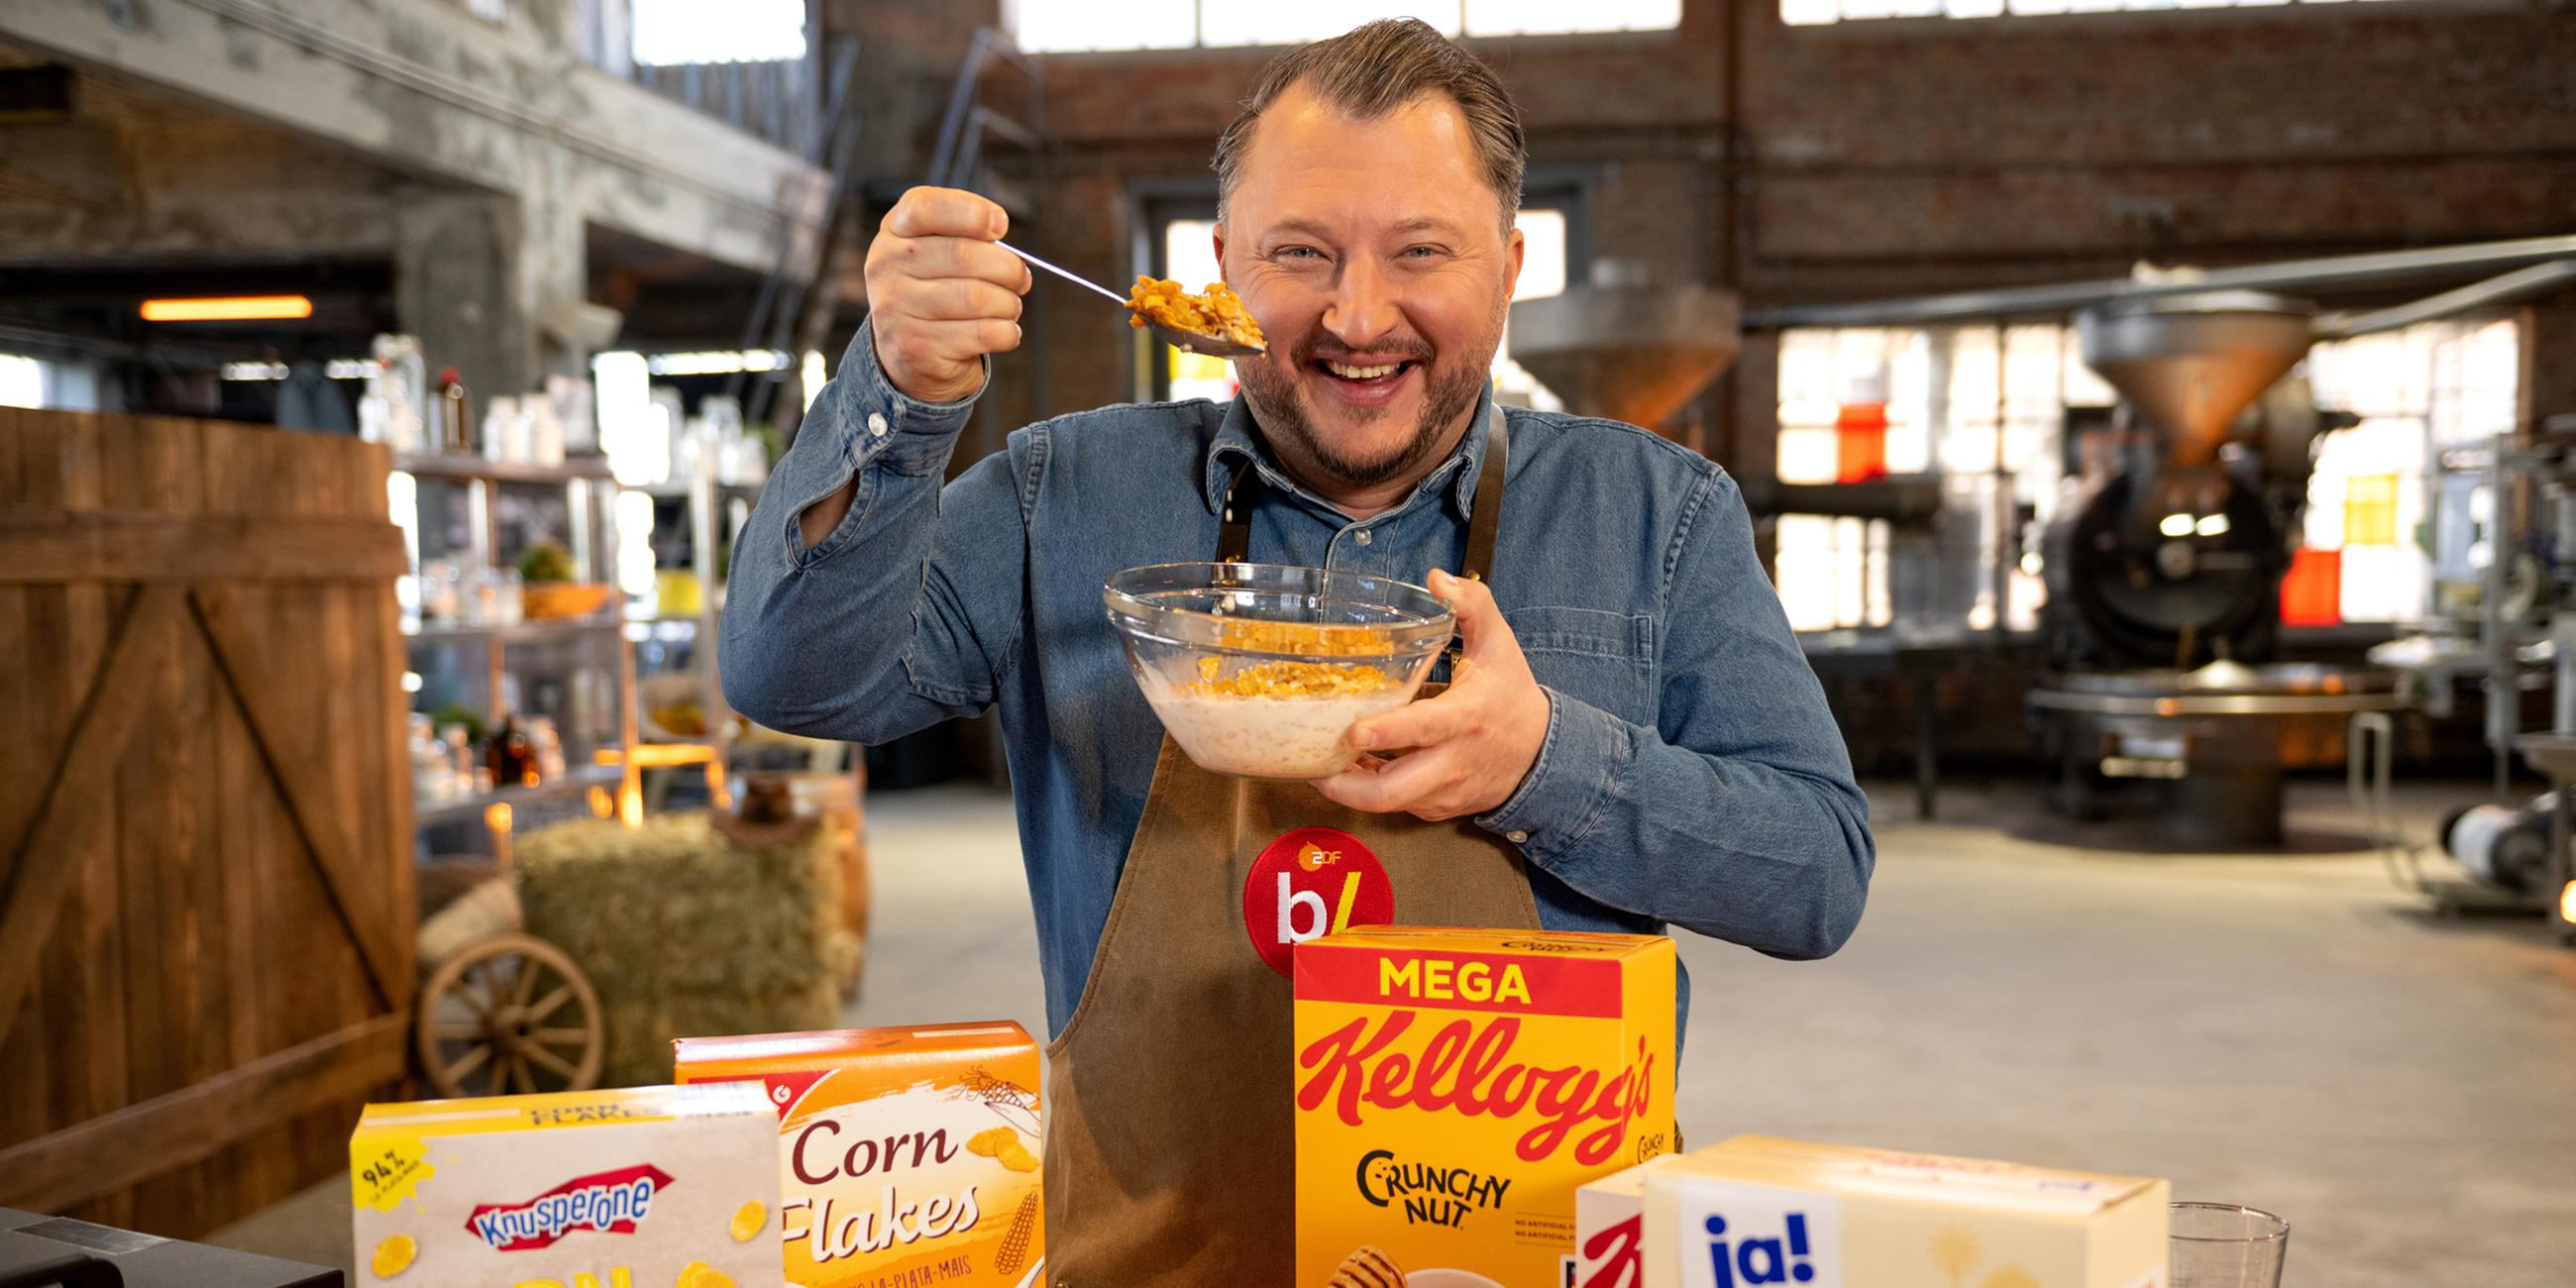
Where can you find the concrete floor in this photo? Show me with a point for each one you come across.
(2293, 1033)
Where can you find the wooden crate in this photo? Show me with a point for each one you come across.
(206, 880)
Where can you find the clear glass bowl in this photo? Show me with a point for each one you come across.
(1259, 670)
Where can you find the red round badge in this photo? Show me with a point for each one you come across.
(1311, 882)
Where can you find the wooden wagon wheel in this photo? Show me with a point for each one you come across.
(508, 1013)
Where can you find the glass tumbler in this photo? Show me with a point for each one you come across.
(2222, 1245)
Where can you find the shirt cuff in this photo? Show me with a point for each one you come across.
(1585, 756)
(883, 425)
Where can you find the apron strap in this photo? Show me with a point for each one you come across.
(1234, 533)
(1485, 516)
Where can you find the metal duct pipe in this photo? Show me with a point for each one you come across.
(2329, 271)
(2522, 283)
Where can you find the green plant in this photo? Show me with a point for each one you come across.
(465, 717)
(546, 561)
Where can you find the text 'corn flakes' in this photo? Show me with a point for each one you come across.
(1216, 312)
(394, 1255)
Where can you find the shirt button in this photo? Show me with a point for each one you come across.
(1517, 838)
(876, 423)
(1363, 537)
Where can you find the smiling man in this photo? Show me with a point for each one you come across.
(1631, 740)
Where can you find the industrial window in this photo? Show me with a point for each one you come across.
(1808, 13)
(1073, 26)
(1189, 257)
(2369, 553)
(1981, 406)
(673, 32)
(1986, 408)
(22, 381)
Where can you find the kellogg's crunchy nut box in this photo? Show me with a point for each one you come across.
(910, 1156)
(646, 1187)
(1761, 1210)
(1454, 1089)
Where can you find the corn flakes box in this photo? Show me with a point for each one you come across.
(905, 1155)
(1762, 1210)
(1455, 1088)
(643, 1187)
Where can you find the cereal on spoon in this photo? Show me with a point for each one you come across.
(1217, 312)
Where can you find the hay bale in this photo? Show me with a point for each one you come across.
(685, 933)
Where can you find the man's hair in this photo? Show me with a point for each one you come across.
(1375, 68)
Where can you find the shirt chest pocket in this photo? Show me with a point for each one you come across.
(1604, 658)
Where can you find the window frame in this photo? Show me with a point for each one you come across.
(1154, 204)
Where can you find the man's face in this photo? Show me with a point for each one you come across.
(1373, 255)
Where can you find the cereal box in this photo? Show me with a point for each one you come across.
(909, 1156)
(1456, 1087)
(1761, 1210)
(648, 1187)
(1609, 1228)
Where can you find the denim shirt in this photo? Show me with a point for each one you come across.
(1691, 774)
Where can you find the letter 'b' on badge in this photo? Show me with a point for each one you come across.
(1310, 883)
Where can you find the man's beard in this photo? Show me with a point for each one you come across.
(1280, 400)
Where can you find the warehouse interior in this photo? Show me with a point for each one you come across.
(2157, 419)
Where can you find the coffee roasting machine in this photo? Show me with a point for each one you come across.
(2164, 568)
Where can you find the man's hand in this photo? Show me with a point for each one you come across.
(941, 294)
(1473, 744)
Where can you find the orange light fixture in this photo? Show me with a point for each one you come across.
(238, 308)
(2567, 903)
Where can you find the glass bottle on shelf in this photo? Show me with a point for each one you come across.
(461, 769)
(391, 410)
(548, 745)
(510, 756)
(451, 415)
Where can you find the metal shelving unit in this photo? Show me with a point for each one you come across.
(714, 508)
(597, 675)
(576, 779)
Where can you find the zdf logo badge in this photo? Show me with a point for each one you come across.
(1310, 883)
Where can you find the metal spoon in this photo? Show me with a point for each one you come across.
(1214, 346)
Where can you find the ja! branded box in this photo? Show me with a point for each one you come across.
(1454, 1089)
(1761, 1210)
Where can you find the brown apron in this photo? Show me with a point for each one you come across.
(1169, 1136)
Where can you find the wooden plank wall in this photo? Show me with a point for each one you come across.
(206, 902)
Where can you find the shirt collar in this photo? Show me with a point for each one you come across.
(1238, 440)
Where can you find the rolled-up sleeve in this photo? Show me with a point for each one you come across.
(898, 618)
(1736, 815)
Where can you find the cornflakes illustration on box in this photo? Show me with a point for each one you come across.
(1456, 1087)
(649, 1187)
(906, 1155)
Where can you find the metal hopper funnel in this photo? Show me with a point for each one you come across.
(1624, 348)
(2189, 363)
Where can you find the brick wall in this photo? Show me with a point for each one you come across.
(1892, 157)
